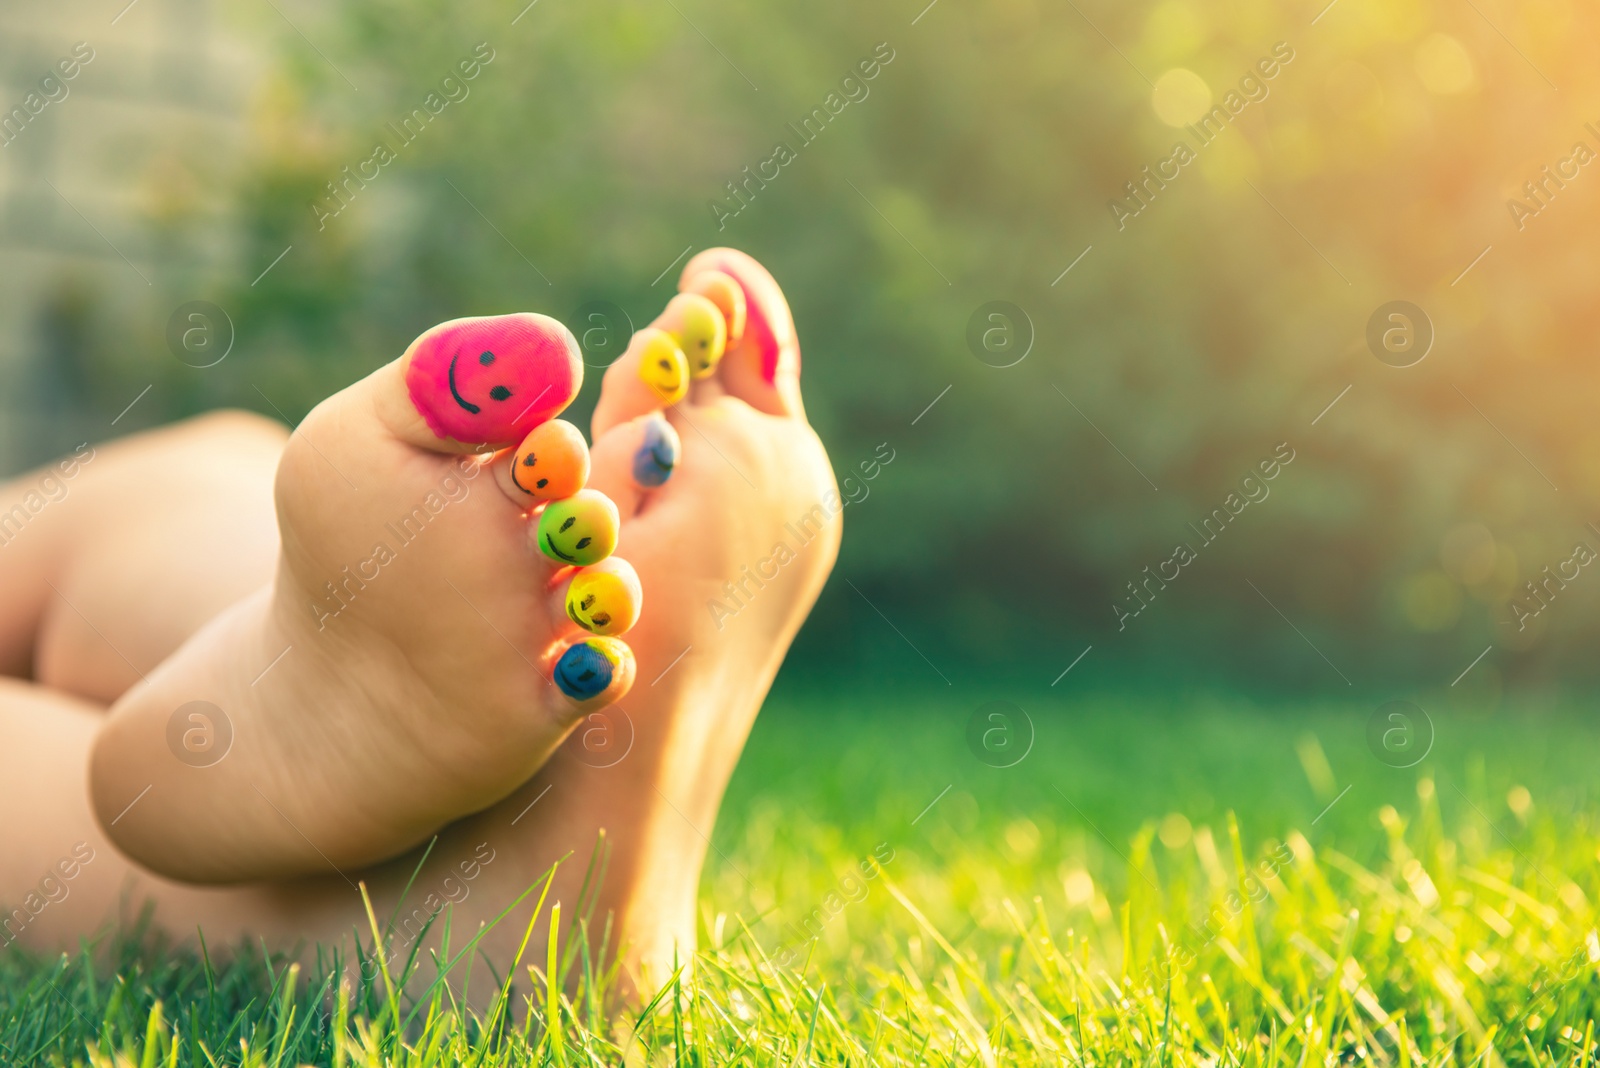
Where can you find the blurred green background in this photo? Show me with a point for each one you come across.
(1183, 346)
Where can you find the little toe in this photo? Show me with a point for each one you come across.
(762, 367)
(594, 671)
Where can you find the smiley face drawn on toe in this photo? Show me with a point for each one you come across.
(584, 613)
(498, 392)
(581, 529)
(550, 546)
(723, 291)
(657, 454)
(552, 461)
(587, 669)
(493, 379)
(663, 366)
(605, 598)
(584, 671)
(702, 332)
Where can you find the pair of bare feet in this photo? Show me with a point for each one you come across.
(409, 672)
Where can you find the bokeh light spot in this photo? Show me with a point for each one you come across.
(1180, 97)
(1079, 886)
(1444, 66)
(1176, 831)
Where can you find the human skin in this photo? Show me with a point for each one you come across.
(101, 590)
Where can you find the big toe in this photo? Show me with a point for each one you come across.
(479, 381)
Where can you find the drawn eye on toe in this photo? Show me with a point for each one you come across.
(566, 526)
(500, 393)
(583, 543)
(604, 598)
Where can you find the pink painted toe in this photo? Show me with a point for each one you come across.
(495, 378)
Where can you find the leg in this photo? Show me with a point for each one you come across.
(753, 480)
(112, 558)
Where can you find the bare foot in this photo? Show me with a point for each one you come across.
(733, 553)
(732, 549)
(413, 661)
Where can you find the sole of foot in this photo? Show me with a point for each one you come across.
(414, 659)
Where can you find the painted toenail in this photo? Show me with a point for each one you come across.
(586, 669)
(555, 452)
(580, 529)
(533, 357)
(701, 330)
(658, 452)
(663, 366)
(605, 598)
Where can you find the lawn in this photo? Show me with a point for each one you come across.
(1163, 880)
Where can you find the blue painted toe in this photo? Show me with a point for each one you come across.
(584, 672)
(658, 453)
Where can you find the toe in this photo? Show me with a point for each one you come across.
(481, 381)
(652, 374)
(604, 598)
(579, 530)
(594, 671)
(633, 459)
(676, 356)
(763, 367)
(551, 463)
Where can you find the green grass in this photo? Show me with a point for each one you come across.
(1159, 881)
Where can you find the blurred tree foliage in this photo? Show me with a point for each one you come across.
(1180, 351)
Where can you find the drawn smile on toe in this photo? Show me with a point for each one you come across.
(527, 461)
(658, 452)
(586, 670)
(586, 524)
(492, 380)
(593, 667)
(598, 621)
(551, 546)
(605, 598)
(499, 393)
(468, 405)
(552, 461)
